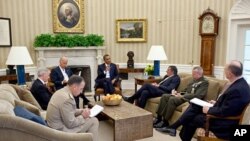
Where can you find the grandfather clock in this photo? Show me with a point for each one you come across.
(209, 26)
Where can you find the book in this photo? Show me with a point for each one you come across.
(200, 102)
(95, 110)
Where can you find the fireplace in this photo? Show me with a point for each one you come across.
(78, 57)
(83, 71)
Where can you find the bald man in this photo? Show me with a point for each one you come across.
(60, 76)
(231, 102)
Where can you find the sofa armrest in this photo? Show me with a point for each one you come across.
(16, 128)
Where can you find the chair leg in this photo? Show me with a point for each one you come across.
(95, 98)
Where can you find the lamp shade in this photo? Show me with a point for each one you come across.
(157, 52)
(19, 55)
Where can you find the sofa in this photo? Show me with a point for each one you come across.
(14, 128)
(214, 88)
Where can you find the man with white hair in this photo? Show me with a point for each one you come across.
(39, 88)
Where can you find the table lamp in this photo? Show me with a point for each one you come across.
(19, 56)
(157, 53)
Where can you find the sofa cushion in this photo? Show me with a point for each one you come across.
(24, 113)
(155, 100)
(8, 93)
(28, 106)
(26, 95)
(213, 90)
(6, 108)
(184, 82)
(9, 89)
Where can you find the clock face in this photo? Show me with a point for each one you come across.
(208, 24)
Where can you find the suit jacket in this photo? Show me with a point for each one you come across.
(62, 113)
(41, 93)
(56, 76)
(231, 103)
(170, 84)
(113, 72)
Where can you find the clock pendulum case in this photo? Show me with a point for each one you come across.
(208, 30)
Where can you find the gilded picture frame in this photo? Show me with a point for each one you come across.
(5, 32)
(131, 30)
(68, 16)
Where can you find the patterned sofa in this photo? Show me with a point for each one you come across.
(14, 128)
(214, 88)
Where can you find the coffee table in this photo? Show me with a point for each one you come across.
(129, 121)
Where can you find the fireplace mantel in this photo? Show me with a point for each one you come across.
(92, 56)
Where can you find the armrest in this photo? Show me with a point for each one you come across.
(208, 117)
(23, 128)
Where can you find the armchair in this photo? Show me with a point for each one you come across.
(118, 89)
(206, 135)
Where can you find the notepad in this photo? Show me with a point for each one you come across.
(95, 110)
(200, 102)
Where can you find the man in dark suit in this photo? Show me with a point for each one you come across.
(231, 102)
(170, 81)
(107, 75)
(39, 89)
(60, 76)
(196, 88)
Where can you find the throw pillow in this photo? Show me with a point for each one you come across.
(28, 106)
(24, 113)
(6, 108)
(26, 95)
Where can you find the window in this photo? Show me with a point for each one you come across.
(246, 58)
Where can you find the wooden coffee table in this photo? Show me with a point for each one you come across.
(129, 121)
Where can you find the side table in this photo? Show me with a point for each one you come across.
(146, 79)
(123, 72)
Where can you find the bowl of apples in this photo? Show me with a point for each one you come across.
(112, 100)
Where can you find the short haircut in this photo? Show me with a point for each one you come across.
(42, 71)
(236, 70)
(75, 79)
(104, 56)
(174, 69)
(198, 69)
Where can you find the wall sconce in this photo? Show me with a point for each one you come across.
(157, 53)
(19, 56)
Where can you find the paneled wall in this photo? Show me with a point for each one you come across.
(172, 23)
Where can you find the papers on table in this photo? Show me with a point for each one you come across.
(200, 102)
(95, 110)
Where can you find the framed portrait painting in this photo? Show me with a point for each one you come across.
(68, 16)
(5, 32)
(131, 30)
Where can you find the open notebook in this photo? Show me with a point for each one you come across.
(95, 110)
(200, 102)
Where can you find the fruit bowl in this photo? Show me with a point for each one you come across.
(112, 100)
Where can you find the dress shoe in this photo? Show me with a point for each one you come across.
(128, 99)
(156, 120)
(170, 131)
(160, 124)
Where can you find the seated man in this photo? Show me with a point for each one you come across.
(231, 102)
(39, 88)
(60, 76)
(107, 75)
(197, 88)
(170, 81)
(63, 115)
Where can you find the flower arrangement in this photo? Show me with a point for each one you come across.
(149, 69)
